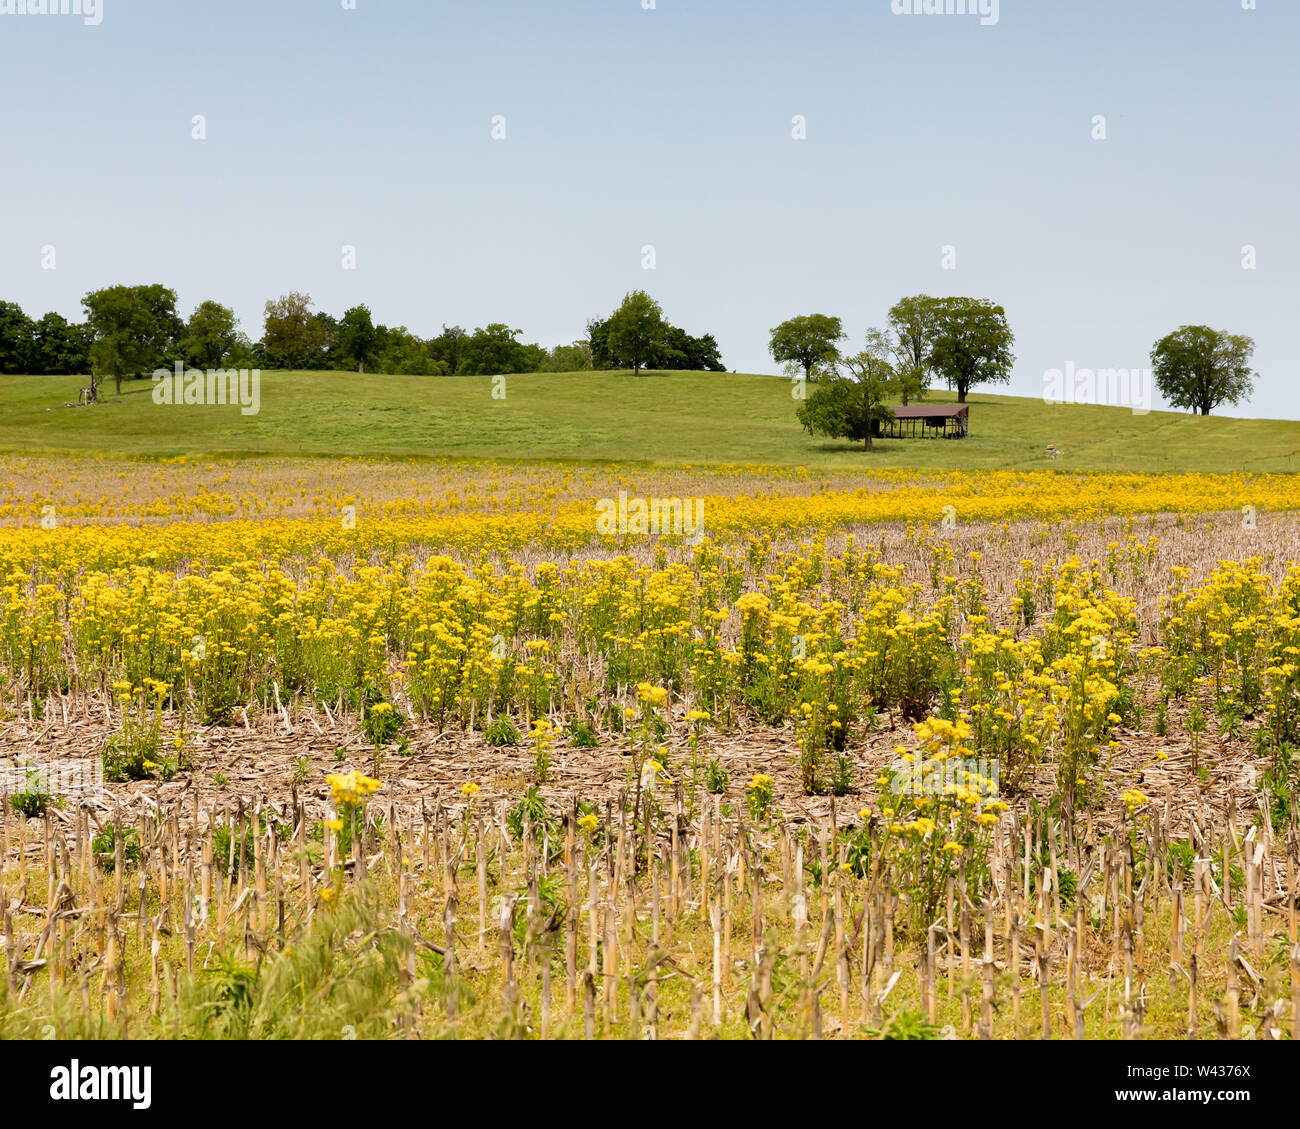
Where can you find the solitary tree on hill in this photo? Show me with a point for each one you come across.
(972, 343)
(636, 332)
(1200, 368)
(810, 341)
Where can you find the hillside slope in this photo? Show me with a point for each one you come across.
(658, 417)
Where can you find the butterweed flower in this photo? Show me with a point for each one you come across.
(351, 787)
(651, 695)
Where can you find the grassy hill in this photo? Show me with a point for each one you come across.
(658, 418)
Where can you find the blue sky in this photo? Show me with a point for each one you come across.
(671, 127)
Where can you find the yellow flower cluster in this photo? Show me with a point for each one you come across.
(651, 695)
(466, 504)
(1133, 799)
(780, 616)
(351, 788)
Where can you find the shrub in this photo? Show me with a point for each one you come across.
(104, 846)
(581, 734)
(531, 805)
(715, 777)
(33, 801)
(501, 732)
(381, 724)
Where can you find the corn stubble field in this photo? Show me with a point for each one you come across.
(409, 751)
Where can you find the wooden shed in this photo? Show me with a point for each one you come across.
(925, 421)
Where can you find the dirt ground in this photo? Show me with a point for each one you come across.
(260, 762)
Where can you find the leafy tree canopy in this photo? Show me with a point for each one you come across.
(849, 403)
(136, 330)
(810, 341)
(972, 344)
(292, 332)
(1199, 368)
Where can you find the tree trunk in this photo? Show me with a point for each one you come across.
(866, 443)
(117, 376)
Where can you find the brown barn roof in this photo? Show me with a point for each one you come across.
(930, 411)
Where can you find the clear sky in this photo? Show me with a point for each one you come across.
(372, 126)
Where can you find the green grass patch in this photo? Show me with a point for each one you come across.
(612, 416)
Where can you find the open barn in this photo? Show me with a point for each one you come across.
(925, 421)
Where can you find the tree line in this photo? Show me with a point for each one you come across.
(967, 342)
(131, 331)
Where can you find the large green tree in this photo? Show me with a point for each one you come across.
(914, 323)
(849, 402)
(210, 335)
(677, 349)
(136, 329)
(636, 333)
(1200, 368)
(972, 344)
(357, 338)
(810, 341)
(293, 333)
